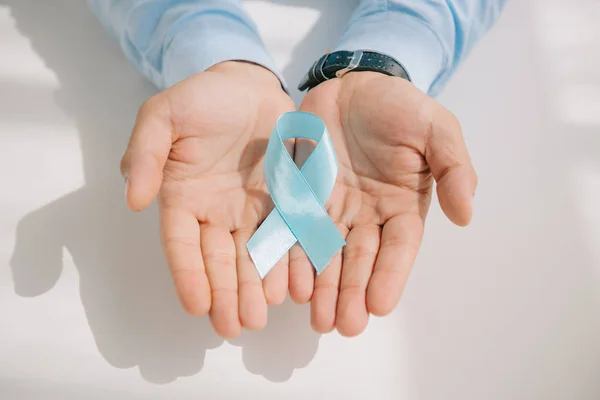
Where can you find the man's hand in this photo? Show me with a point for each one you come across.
(391, 140)
(200, 144)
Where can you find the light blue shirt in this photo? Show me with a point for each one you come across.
(170, 40)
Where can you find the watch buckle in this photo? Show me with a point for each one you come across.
(354, 62)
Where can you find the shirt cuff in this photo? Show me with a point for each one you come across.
(403, 37)
(210, 40)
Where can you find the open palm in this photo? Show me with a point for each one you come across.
(392, 141)
(200, 145)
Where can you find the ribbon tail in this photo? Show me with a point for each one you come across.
(270, 243)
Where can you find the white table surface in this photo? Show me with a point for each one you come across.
(508, 308)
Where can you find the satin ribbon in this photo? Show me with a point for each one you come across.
(298, 195)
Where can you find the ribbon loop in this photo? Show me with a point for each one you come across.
(298, 195)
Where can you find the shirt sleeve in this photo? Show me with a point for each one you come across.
(429, 37)
(170, 40)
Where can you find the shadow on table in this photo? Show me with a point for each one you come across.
(125, 285)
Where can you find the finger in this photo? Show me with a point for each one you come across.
(359, 257)
(447, 156)
(218, 251)
(252, 303)
(275, 284)
(147, 153)
(400, 241)
(180, 232)
(302, 275)
(324, 302)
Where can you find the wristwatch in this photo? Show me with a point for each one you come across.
(339, 63)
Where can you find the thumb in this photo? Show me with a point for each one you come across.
(447, 156)
(149, 146)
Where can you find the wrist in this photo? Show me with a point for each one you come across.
(189, 50)
(246, 71)
(405, 38)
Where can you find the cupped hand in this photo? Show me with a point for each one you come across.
(392, 141)
(199, 145)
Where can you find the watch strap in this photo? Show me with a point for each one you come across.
(339, 63)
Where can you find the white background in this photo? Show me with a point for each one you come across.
(508, 308)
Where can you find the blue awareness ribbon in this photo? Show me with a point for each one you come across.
(298, 195)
